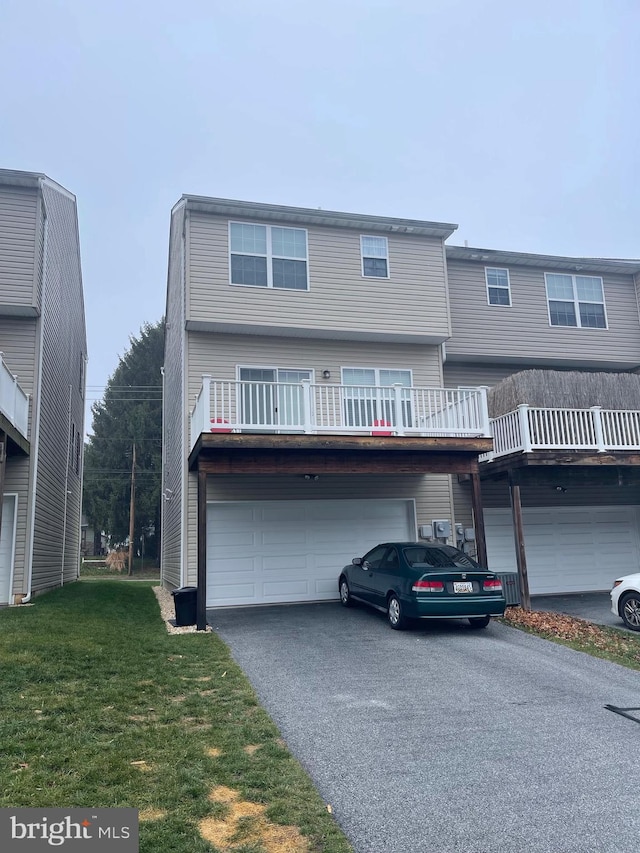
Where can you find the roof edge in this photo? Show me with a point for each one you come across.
(468, 253)
(233, 207)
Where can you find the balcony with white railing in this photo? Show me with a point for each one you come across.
(14, 403)
(531, 428)
(309, 408)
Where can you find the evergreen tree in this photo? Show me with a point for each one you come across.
(129, 414)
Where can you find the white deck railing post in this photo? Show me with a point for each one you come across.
(397, 409)
(307, 411)
(483, 406)
(597, 428)
(525, 432)
(206, 403)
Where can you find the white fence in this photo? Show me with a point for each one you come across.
(14, 403)
(306, 407)
(530, 428)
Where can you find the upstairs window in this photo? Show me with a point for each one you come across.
(375, 257)
(498, 286)
(576, 300)
(268, 256)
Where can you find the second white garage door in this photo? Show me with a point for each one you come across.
(568, 549)
(267, 552)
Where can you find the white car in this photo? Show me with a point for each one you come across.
(625, 600)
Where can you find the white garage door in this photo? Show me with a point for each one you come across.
(568, 549)
(277, 551)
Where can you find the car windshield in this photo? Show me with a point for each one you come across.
(439, 556)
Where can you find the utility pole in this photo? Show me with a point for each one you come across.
(132, 508)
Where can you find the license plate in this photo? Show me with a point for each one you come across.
(462, 586)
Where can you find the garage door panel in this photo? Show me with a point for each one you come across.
(574, 549)
(285, 563)
(294, 550)
(231, 538)
(276, 589)
(232, 566)
(283, 536)
(230, 593)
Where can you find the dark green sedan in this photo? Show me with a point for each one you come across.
(422, 580)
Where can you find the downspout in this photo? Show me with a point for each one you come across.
(35, 413)
(66, 488)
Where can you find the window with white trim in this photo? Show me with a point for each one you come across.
(375, 257)
(268, 256)
(498, 286)
(576, 300)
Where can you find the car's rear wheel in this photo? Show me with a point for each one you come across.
(395, 614)
(345, 593)
(479, 621)
(630, 610)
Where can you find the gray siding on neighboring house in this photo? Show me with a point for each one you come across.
(18, 344)
(412, 301)
(18, 228)
(521, 333)
(17, 481)
(175, 420)
(59, 409)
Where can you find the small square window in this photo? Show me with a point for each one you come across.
(498, 286)
(375, 257)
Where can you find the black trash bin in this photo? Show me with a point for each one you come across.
(184, 600)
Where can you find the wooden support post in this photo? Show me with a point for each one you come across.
(478, 519)
(518, 534)
(201, 599)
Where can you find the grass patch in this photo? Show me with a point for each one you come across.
(99, 569)
(596, 640)
(101, 707)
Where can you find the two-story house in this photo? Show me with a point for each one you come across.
(305, 414)
(558, 339)
(43, 354)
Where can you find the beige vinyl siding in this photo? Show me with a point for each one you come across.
(17, 247)
(412, 301)
(431, 494)
(521, 333)
(219, 355)
(458, 373)
(58, 488)
(175, 416)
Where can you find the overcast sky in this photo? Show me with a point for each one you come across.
(518, 121)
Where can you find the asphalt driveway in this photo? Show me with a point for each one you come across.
(592, 606)
(445, 739)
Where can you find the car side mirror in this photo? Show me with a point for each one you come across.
(357, 561)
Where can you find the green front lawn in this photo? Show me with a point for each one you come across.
(101, 707)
